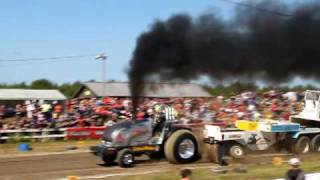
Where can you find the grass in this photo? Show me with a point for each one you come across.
(255, 172)
(48, 146)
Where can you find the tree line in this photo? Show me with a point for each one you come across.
(239, 87)
(68, 89)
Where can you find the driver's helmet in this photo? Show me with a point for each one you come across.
(150, 111)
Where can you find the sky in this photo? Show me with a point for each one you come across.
(50, 28)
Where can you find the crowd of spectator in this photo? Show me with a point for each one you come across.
(99, 112)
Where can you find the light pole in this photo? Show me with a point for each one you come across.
(103, 59)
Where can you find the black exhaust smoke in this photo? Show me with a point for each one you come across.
(273, 42)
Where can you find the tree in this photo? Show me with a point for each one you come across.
(231, 89)
(69, 89)
(43, 84)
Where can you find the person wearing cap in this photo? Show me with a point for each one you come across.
(185, 174)
(295, 173)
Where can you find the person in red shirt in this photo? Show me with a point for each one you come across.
(2, 111)
(140, 116)
(80, 121)
(57, 109)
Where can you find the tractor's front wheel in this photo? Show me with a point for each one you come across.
(108, 160)
(125, 158)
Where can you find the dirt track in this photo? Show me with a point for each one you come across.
(83, 165)
(80, 164)
(87, 166)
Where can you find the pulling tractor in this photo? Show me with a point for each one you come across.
(125, 140)
(299, 135)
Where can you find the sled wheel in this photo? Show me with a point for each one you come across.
(315, 143)
(302, 145)
(236, 151)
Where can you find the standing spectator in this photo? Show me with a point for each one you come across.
(2, 111)
(46, 110)
(295, 173)
(80, 120)
(19, 110)
(185, 174)
(40, 120)
(57, 109)
(30, 109)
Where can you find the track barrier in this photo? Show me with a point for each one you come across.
(74, 133)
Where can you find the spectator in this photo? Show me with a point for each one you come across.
(46, 109)
(2, 111)
(20, 111)
(185, 174)
(57, 109)
(30, 109)
(80, 120)
(97, 112)
(295, 173)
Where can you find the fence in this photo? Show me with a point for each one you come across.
(62, 133)
(72, 133)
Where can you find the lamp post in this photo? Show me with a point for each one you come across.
(103, 59)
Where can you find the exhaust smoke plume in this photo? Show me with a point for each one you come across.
(254, 44)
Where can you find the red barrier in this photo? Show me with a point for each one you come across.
(97, 132)
(85, 132)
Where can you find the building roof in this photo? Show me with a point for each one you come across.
(30, 94)
(116, 89)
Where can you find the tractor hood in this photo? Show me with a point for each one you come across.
(107, 134)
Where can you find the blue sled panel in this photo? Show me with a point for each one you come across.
(285, 127)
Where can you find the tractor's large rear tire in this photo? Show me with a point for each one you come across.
(181, 147)
(213, 152)
(315, 143)
(302, 145)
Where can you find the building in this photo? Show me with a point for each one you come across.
(16, 96)
(159, 90)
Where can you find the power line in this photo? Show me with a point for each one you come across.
(257, 8)
(57, 58)
(33, 63)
